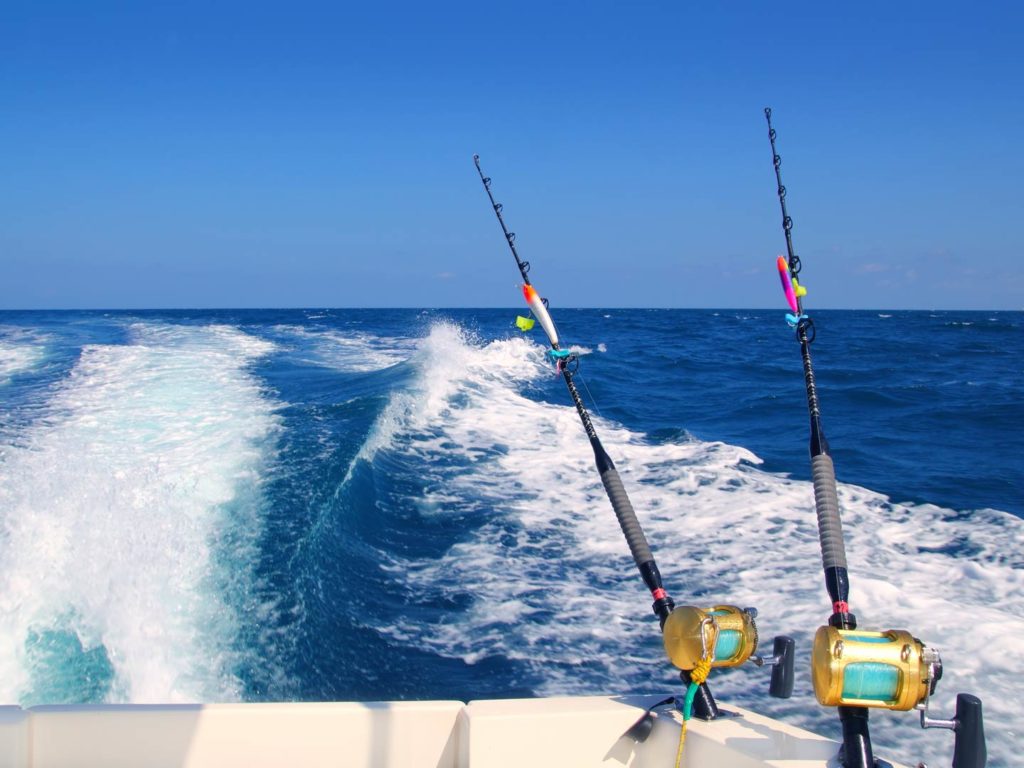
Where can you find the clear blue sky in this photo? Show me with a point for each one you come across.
(243, 154)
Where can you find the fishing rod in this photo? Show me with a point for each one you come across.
(695, 639)
(855, 670)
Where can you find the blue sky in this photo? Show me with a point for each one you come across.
(226, 154)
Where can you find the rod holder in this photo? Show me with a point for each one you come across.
(704, 705)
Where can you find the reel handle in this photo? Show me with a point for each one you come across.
(969, 749)
(781, 661)
(969, 743)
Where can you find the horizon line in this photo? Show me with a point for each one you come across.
(499, 309)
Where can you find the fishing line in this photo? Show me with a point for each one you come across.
(590, 395)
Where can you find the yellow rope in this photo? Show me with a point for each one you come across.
(682, 740)
(697, 676)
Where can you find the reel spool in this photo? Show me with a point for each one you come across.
(887, 670)
(724, 634)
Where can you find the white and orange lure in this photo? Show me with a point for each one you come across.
(541, 313)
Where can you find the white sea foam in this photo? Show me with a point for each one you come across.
(553, 586)
(449, 364)
(354, 351)
(20, 351)
(112, 511)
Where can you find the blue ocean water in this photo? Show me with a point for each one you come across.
(397, 504)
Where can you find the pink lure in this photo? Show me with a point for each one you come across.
(787, 284)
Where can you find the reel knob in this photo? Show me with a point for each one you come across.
(783, 652)
(969, 749)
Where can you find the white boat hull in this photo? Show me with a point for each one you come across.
(567, 731)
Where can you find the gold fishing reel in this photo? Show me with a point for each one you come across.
(724, 634)
(889, 670)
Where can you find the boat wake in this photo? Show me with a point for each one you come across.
(116, 583)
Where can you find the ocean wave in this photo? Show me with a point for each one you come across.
(450, 365)
(350, 351)
(20, 351)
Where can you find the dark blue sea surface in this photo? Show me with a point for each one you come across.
(397, 504)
